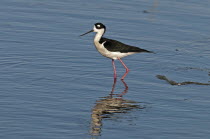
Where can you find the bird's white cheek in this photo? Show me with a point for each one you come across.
(94, 29)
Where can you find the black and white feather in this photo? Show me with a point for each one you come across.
(116, 46)
(111, 48)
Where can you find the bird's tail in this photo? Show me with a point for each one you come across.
(146, 51)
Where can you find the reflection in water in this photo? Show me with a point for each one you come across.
(108, 106)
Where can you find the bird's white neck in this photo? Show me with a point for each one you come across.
(98, 36)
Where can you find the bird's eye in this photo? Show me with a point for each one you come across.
(98, 26)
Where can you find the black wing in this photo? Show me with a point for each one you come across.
(116, 46)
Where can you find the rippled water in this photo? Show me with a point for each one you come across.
(54, 84)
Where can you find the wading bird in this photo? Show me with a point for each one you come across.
(113, 49)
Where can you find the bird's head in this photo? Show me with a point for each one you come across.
(98, 27)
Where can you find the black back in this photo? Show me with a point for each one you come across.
(116, 46)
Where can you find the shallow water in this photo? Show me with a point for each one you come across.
(54, 84)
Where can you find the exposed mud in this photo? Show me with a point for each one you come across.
(162, 77)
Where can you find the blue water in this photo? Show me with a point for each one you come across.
(54, 84)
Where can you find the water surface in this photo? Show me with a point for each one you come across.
(54, 84)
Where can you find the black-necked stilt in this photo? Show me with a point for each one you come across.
(111, 48)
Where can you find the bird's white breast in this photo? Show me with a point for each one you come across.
(101, 49)
(113, 55)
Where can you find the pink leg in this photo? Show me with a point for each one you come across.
(127, 70)
(113, 87)
(126, 89)
(115, 72)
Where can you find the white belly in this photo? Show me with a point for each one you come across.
(113, 55)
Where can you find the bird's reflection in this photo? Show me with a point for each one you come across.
(108, 106)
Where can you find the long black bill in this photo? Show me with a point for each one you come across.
(86, 33)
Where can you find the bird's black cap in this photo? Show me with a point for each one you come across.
(100, 26)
